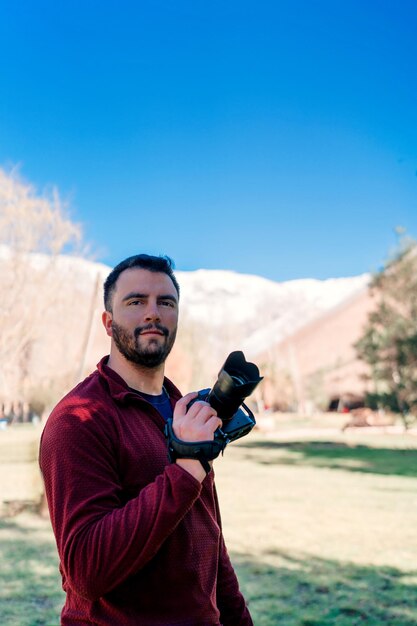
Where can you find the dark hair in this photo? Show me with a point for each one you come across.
(142, 261)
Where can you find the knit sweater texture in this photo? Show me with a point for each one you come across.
(139, 539)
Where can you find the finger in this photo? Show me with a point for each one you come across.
(181, 406)
(208, 429)
(214, 423)
(201, 410)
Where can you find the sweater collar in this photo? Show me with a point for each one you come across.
(120, 391)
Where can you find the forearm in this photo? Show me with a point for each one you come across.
(230, 601)
(101, 538)
(99, 552)
(105, 551)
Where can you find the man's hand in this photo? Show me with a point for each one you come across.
(198, 423)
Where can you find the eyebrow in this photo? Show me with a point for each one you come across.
(133, 294)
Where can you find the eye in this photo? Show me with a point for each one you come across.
(168, 303)
(135, 302)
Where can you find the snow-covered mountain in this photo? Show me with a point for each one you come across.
(256, 312)
(220, 311)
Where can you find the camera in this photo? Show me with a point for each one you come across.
(236, 380)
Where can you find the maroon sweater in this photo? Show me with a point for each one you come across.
(139, 539)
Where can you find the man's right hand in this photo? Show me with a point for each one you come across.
(196, 423)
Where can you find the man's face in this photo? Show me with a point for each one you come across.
(144, 317)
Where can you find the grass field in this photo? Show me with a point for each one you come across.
(321, 528)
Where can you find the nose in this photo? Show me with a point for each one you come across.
(152, 312)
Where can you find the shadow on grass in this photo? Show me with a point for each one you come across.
(306, 591)
(297, 590)
(30, 584)
(334, 455)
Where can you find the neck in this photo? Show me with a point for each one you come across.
(146, 379)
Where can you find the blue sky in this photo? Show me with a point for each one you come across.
(271, 138)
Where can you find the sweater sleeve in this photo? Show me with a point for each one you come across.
(101, 539)
(230, 601)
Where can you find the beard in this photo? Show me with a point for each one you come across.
(153, 355)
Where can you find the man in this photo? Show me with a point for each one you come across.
(138, 537)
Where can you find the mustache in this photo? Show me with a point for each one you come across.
(140, 329)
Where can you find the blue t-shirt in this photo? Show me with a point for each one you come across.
(161, 403)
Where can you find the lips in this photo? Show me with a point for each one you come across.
(151, 330)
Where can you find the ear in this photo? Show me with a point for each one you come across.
(107, 319)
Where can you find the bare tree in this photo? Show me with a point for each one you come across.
(34, 230)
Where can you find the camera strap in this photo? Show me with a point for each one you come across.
(203, 451)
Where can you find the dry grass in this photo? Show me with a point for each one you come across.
(323, 532)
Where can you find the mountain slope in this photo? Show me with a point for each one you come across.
(257, 312)
(220, 311)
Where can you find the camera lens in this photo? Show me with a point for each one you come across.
(239, 380)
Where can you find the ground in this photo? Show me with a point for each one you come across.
(320, 525)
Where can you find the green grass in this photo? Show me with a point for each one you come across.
(306, 591)
(322, 532)
(30, 586)
(337, 455)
